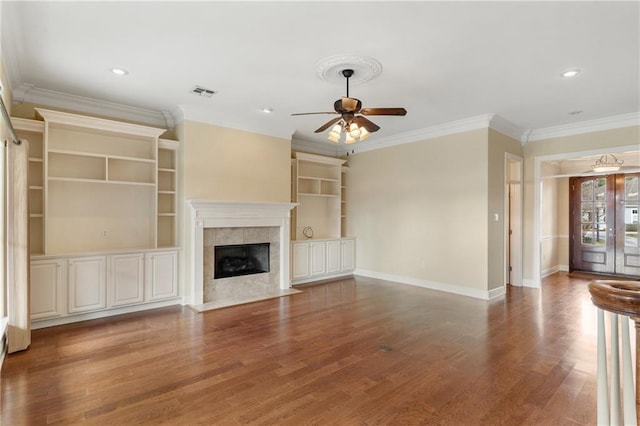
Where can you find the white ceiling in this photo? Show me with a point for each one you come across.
(442, 61)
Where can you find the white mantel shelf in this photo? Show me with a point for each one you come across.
(234, 214)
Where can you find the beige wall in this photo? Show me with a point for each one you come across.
(225, 164)
(498, 145)
(628, 136)
(420, 210)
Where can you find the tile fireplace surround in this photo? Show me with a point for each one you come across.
(274, 217)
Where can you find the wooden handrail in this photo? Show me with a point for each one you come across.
(619, 297)
(623, 298)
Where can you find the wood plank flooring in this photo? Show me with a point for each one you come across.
(315, 358)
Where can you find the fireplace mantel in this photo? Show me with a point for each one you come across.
(231, 214)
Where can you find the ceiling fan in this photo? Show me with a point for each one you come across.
(351, 118)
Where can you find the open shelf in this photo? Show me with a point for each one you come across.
(98, 185)
(317, 187)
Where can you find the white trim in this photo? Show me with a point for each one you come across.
(321, 278)
(104, 313)
(516, 280)
(536, 241)
(505, 127)
(321, 148)
(615, 122)
(445, 129)
(535, 282)
(554, 237)
(27, 125)
(549, 271)
(99, 123)
(554, 269)
(494, 293)
(230, 214)
(530, 283)
(432, 285)
(51, 98)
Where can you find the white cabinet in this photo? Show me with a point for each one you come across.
(300, 260)
(48, 288)
(162, 275)
(87, 284)
(348, 252)
(333, 256)
(317, 258)
(126, 279)
(66, 289)
(314, 260)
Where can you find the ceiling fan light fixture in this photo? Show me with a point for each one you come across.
(335, 133)
(349, 139)
(607, 163)
(364, 134)
(354, 131)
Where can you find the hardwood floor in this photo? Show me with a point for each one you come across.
(316, 358)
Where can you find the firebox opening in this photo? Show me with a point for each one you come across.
(241, 259)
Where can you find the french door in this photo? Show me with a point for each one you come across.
(604, 224)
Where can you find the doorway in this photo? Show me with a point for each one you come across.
(513, 220)
(604, 224)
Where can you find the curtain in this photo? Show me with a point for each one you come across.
(17, 232)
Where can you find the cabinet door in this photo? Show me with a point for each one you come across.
(47, 292)
(300, 258)
(87, 284)
(125, 279)
(318, 259)
(348, 254)
(162, 275)
(333, 256)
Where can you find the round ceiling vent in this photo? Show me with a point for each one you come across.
(364, 68)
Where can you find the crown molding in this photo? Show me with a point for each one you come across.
(30, 93)
(505, 127)
(598, 125)
(314, 147)
(99, 123)
(453, 127)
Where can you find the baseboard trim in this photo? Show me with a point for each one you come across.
(102, 314)
(530, 283)
(433, 285)
(320, 278)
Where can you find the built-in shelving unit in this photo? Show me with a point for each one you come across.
(167, 194)
(343, 199)
(319, 186)
(103, 215)
(317, 190)
(33, 131)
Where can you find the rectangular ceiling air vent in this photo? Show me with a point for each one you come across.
(202, 91)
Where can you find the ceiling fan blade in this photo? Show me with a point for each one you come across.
(312, 113)
(328, 124)
(366, 123)
(383, 111)
(344, 104)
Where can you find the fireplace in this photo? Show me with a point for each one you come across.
(240, 259)
(224, 223)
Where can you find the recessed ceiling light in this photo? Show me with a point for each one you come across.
(570, 73)
(119, 71)
(267, 110)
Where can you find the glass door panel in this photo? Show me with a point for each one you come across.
(592, 245)
(627, 245)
